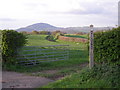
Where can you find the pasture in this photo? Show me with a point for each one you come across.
(77, 36)
(78, 54)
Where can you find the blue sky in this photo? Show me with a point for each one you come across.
(62, 13)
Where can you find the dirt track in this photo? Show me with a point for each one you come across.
(18, 80)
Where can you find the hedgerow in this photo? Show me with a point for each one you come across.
(11, 41)
(107, 46)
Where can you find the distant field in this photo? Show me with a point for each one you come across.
(78, 36)
(39, 40)
(76, 50)
(78, 53)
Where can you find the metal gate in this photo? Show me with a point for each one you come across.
(31, 55)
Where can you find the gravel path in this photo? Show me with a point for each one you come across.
(19, 80)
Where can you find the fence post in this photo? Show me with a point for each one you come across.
(91, 49)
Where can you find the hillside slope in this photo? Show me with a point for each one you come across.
(39, 27)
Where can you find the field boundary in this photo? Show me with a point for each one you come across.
(73, 39)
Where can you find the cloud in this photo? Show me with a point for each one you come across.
(58, 12)
(7, 19)
(94, 8)
(86, 12)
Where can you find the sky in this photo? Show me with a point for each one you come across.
(15, 14)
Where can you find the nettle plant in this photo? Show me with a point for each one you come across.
(11, 41)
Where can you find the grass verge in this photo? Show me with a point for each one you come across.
(59, 73)
(101, 76)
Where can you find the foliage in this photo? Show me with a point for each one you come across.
(11, 41)
(54, 35)
(23, 32)
(80, 33)
(101, 76)
(45, 32)
(35, 32)
(57, 36)
(50, 38)
(107, 46)
(55, 32)
(77, 36)
(58, 32)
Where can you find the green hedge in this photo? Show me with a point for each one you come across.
(11, 41)
(107, 46)
(75, 36)
(50, 38)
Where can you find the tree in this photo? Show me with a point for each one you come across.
(35, 32)
(45, 32)
(23, 32)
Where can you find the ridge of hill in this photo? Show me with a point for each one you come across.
(39, 27)
(69, 30)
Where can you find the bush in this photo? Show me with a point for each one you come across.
(35, 32)
(23, 32)
(45, 32)
(11, 41)
(50, 38)
(107, 46)
(56, 32)
(80, 33)
(57, 36)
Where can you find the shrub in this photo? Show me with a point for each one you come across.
(11, 41)
(56, 32)
(107, 46)
(80, 33)
(50, 38)
(23, 32)
(45, 32)
(57, 36)
(35, 32)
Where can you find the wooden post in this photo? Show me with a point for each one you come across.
(91, 49)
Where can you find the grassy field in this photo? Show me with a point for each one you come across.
(77, 36)
(78, 54)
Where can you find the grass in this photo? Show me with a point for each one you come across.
(78, 36)
(78, 54)
(59, 72)
(39, 40)
(101, 76)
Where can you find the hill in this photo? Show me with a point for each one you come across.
(39, 27)
(73, 30)
(69, 30)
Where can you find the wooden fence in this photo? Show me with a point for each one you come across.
(31, 55)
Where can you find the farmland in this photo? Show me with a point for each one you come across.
(78, 36)
(72, 72)
(78, 54)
